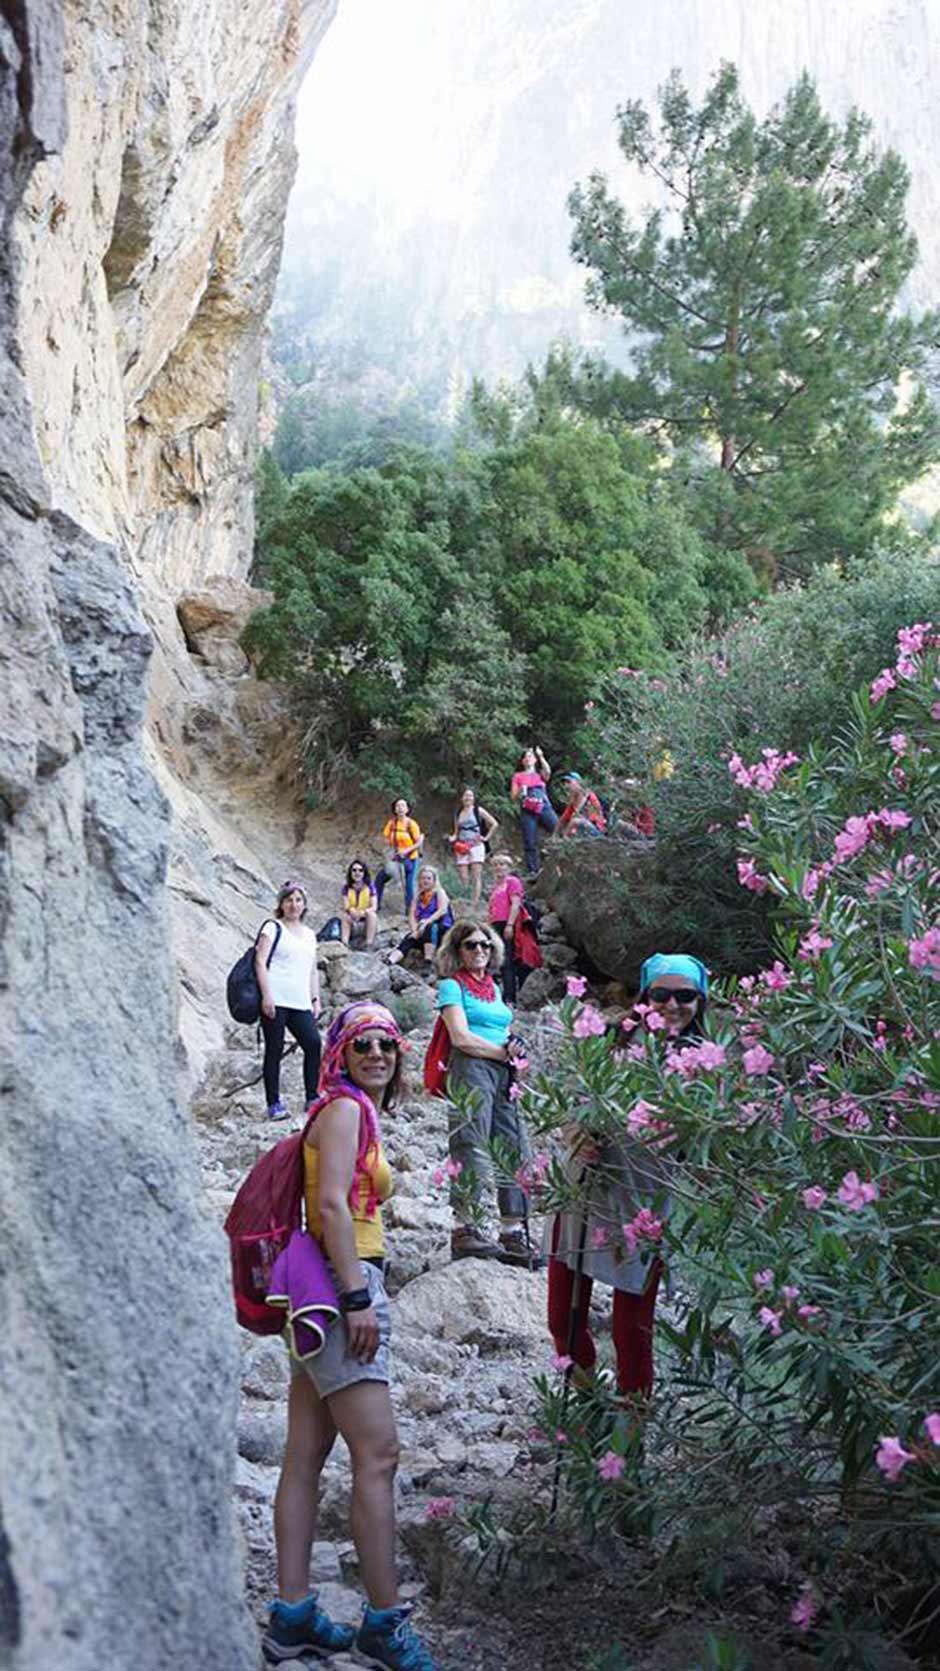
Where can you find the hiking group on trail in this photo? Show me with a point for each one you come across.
(324, 1263)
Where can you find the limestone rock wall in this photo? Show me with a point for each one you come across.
(144, 164)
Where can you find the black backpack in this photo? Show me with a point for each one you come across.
(242, 992)
(332, 930)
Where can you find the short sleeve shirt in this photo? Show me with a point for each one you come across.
(489, 1021)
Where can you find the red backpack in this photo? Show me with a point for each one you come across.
(264, 1215)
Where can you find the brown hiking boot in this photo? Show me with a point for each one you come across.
(515, 1249)
(471, 1244)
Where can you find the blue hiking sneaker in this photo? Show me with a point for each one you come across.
(387, 1642)
(277, 1110)
(303, 1628)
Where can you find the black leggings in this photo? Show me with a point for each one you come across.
(304, 1029)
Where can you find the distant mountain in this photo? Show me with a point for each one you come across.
(427, 237)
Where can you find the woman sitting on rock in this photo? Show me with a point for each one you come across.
(429, 918)
(473, 826)
(583, 813)
(358, 904)
(508, 912)
(529, 788)
(344, 1389)
(404, 840)
(618, 1178)
(290, 994)
(478, 1021)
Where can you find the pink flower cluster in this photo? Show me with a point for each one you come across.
(610, 1466)
(750, 877)
(643, 1227)
(773, 1320)
(892, 1458)
(911, 642)
(805, 1608)
(576, 986)
(532, 1173)
(764, 774)
(588, 1022)
(813, 945)
(924, 953)
(696, 1058)
(856, 1193)
(858, 831)
(757, 1060)
(450, 1169)
(439, 1508)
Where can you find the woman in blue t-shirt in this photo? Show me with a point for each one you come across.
(478, 1021)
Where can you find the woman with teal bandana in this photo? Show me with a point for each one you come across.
(620, 1176)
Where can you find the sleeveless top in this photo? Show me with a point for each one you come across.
(368, 1231)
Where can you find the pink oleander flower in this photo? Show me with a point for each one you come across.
(647, 1225)
(763, 1279)
(439, 1508)
(807, 1312)
(610, 1466)
(641, 1116)
(561, 1362)
(813, 945)
(817, 1070)
(814, 1197)
(911, 640)
(453, 1168)
(561, 1437)
(877, 883)
(654, 1023)
(439, 1176)
(891, 1457)
(757, 1060)
(790, 1293)
(636, 1053)
(711, 1055)
(576, 986)
(750, 877)
(598, 1237)
(856, 1194)
(880, 687)
(629, 1024)
(770, 1319)
(889, 819)
(776, 978)
(905, 667)
(851, 839)
(897, 742)
(932, 1424)
(514, 1092)
(925, 953)
(589, 1023)
(805, 1608)
(809, 885)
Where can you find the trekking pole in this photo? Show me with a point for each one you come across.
(249, 1083)
(573, 1312)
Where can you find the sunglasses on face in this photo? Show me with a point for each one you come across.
(362, 1047)
(476, 946)
(662, 994)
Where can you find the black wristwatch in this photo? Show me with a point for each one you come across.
(355, 1299)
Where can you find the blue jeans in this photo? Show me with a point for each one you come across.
(383, 876)
(530, 821)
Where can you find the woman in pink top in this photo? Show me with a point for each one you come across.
(508, 912)
(529, 788)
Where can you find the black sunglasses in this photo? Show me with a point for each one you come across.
(363, 1046)
(682, 994)
(476, 945)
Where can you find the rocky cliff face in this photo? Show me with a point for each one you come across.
(144, 164)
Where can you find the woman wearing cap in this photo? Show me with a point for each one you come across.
(529, 789)
(344, 1389)
(359, 908)
(583, 813)
(619, 1177)
(478, 1020)
(290, 994)
(473, 826)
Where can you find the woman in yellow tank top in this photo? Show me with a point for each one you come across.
(345, 1387)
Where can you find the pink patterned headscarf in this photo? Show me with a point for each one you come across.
(352, 1021)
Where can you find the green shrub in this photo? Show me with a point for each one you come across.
(782, 675)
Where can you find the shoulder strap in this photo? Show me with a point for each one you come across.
(277, 936)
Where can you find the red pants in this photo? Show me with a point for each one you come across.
(633, 1325)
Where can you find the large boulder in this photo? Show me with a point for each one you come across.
(587, 883)
(214, 618)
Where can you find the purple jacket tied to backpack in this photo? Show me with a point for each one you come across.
(301, 1284)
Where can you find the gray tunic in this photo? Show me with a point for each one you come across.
(625, 1177)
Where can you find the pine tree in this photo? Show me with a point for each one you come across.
(761, 299)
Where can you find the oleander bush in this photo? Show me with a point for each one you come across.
(798, 1395)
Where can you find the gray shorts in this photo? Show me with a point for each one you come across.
(335, 1368)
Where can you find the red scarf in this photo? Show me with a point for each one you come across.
(482, 986)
